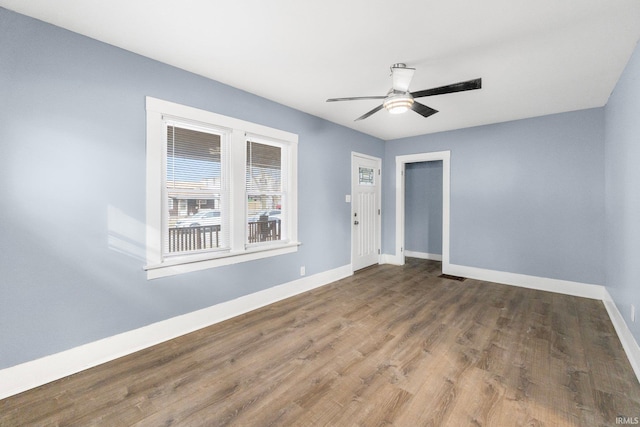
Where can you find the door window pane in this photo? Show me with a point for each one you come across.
(366, 176)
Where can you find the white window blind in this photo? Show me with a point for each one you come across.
(195, 220)
(266, 196)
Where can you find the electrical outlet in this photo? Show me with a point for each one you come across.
(303, 271)
(633, 313)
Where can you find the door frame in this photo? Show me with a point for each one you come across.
(401, 161)
(378, 227)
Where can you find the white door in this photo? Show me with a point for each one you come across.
(365, 210)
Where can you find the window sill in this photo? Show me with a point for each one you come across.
(172, 267)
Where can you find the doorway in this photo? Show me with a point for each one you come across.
(365, 210)
(423, 210)
(401, 164)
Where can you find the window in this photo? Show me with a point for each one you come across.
(194, 180)
(265, 192)
(366, 176)
(219, 190)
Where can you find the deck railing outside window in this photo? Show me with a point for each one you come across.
(208, 236)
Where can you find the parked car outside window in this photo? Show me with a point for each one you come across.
(202, 218)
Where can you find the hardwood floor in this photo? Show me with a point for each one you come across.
(389, 346)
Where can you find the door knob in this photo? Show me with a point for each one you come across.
(355, 223)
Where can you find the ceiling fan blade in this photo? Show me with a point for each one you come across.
(422, 109)
(456, 87)
(365, 115)
(355, 98)
(402, 78)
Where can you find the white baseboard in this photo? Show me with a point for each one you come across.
(390, 259)
(584, 290)
(423, 255)
(19, 378)
(25, 376)
(524, 281)
(564, 287)
(629, 343)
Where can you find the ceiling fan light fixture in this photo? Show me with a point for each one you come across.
(399, 100)
(398, 104)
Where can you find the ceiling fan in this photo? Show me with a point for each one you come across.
(399, 99)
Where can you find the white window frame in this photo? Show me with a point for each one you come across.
(159, 265)
(285, 179)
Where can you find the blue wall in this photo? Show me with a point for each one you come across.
(622, 130)
(527, 196)
(423, 207)
(72, 134)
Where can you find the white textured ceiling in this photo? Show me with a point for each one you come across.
(535, 57)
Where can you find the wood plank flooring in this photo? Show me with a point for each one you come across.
(389, 346)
